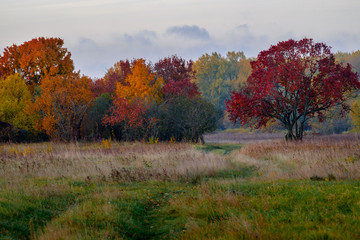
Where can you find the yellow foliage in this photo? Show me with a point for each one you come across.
(27, 151)
(106, 143)
(15, 99)
(48, 148)
(153, 140)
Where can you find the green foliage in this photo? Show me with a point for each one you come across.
(93, 127)
(184, 119)
(218, 76)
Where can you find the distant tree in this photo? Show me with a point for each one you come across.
(133, 97)
(116, 74)
(174, 68)
(185, 119)
(35, 59)
(293, 82)
(93, 127)
(216, 75)
(355, 115)
(141, 84)
(177, 74)
(352, 58)
(184, 88)
(15, 99)
(63, 103)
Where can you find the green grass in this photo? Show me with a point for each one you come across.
(222, 149)
(232, 203)
(212, 209)
(21, 214)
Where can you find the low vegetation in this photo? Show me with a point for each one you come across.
(111, 190)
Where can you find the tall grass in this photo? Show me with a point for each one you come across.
(111, 190)
(318, 158)
(123, 162)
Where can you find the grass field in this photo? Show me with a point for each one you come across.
(257, 190)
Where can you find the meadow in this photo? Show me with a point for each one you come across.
(242, 190)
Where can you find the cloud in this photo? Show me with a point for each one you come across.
(341, 41)
(186, 31)
(144, 38)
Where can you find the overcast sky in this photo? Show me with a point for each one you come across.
(100, 32)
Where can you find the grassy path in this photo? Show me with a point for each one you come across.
(234, 202)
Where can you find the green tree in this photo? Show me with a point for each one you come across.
(218, 76)
(184, 118)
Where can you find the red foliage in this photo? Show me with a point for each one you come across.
(177, 75)
(292, 82)
(180, 88)
(174, 68)
(123, 111)
(116, 74)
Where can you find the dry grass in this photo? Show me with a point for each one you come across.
(319, 158)
(122, 162)
(243, 138)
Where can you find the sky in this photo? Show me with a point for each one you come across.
(99, 33)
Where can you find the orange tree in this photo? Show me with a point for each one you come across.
(35, 59)
(133, 97)
(292, 82)
(63, 104)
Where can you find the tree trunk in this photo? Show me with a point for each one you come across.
(299, 132)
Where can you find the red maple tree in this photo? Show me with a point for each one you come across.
(292, 82)
(177, 74)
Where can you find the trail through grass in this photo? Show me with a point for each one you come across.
(178, 191)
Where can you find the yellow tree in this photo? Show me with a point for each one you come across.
(63, 102)
(15, 98)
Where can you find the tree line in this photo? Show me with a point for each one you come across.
(42, 97)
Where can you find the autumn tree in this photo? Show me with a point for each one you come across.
(63, 103)
(35, 59)
(355, 115)
(292, 82)
(115, 74)
(133, 97)
(177, 74)
(15, 99)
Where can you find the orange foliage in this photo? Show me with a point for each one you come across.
(141, 84)
(63, 102)
(36, 59)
